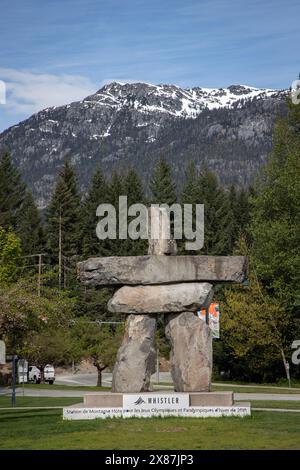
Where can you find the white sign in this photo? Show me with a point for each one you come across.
(2, 352)
(189, 412)
(22, 371)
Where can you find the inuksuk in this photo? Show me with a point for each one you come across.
(175, 286)
(162, 283)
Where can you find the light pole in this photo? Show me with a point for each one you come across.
(13, 395)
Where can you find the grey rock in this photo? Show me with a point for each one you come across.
(152, 269)
(160, 299)
(191, 353)
(136, 357)
(160, 239)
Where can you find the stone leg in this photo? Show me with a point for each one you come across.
(191, 352)
(137, 355)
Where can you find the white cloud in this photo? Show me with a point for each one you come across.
(29, 92)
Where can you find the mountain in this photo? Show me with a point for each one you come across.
(132, 124)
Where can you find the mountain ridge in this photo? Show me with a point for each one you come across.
(134, 123)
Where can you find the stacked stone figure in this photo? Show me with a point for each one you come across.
(162, 283)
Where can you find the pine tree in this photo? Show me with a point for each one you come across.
(63, 215)
(190, 195)
(134, 190)
(12, 192)
(116, 189)
(190, 189)
(233, 198)
(97, 194)
(133, 187)
(10, 251)
(275, 224)
(217, 214)
(243, 214)
(162, 186)
(29, 227)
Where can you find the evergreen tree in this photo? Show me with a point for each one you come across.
(30, 229)
(275, 225)
(116, 188)
(190, 194)
(10, 251)
(98, 193)
(133, 187)
(162, 185)
(218, 216)
(243, 209)
(134, 190)
(190, 189)
(12, 192)
(233, 197)
(63, 215)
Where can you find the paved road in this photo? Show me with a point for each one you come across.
(91, 380)
(165, 377)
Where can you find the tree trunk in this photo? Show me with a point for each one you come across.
(99, 379)
(286, 367)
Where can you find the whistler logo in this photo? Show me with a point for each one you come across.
(139, 401)
(145, 402)
(158, 400)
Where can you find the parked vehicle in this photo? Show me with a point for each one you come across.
(34, 375)
(49, 374)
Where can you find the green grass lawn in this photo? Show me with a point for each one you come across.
(45, 429)
(39, 401)
(64, 387)
(287, 405)
(238, 389)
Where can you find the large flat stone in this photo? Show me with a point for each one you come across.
(155, 269)
(103, 400)
(115, 400)
(136, 357)
(160, 299)
(211, 399)
(191, 352)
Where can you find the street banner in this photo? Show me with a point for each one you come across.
(214, 318)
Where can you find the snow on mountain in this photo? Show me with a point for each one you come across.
(171, 99)
(132, 124)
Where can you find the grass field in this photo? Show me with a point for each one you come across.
(283, 404)
(215, 388)
(45, 429)
(85, 388)
(238, 389)
(5, 402)
(39, 401)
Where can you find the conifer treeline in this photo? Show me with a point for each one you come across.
(70, 219)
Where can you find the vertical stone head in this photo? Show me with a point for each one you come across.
(159, 232)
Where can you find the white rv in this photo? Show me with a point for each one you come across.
(34, 375)
(49, 374)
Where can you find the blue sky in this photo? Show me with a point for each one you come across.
(56, 51)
